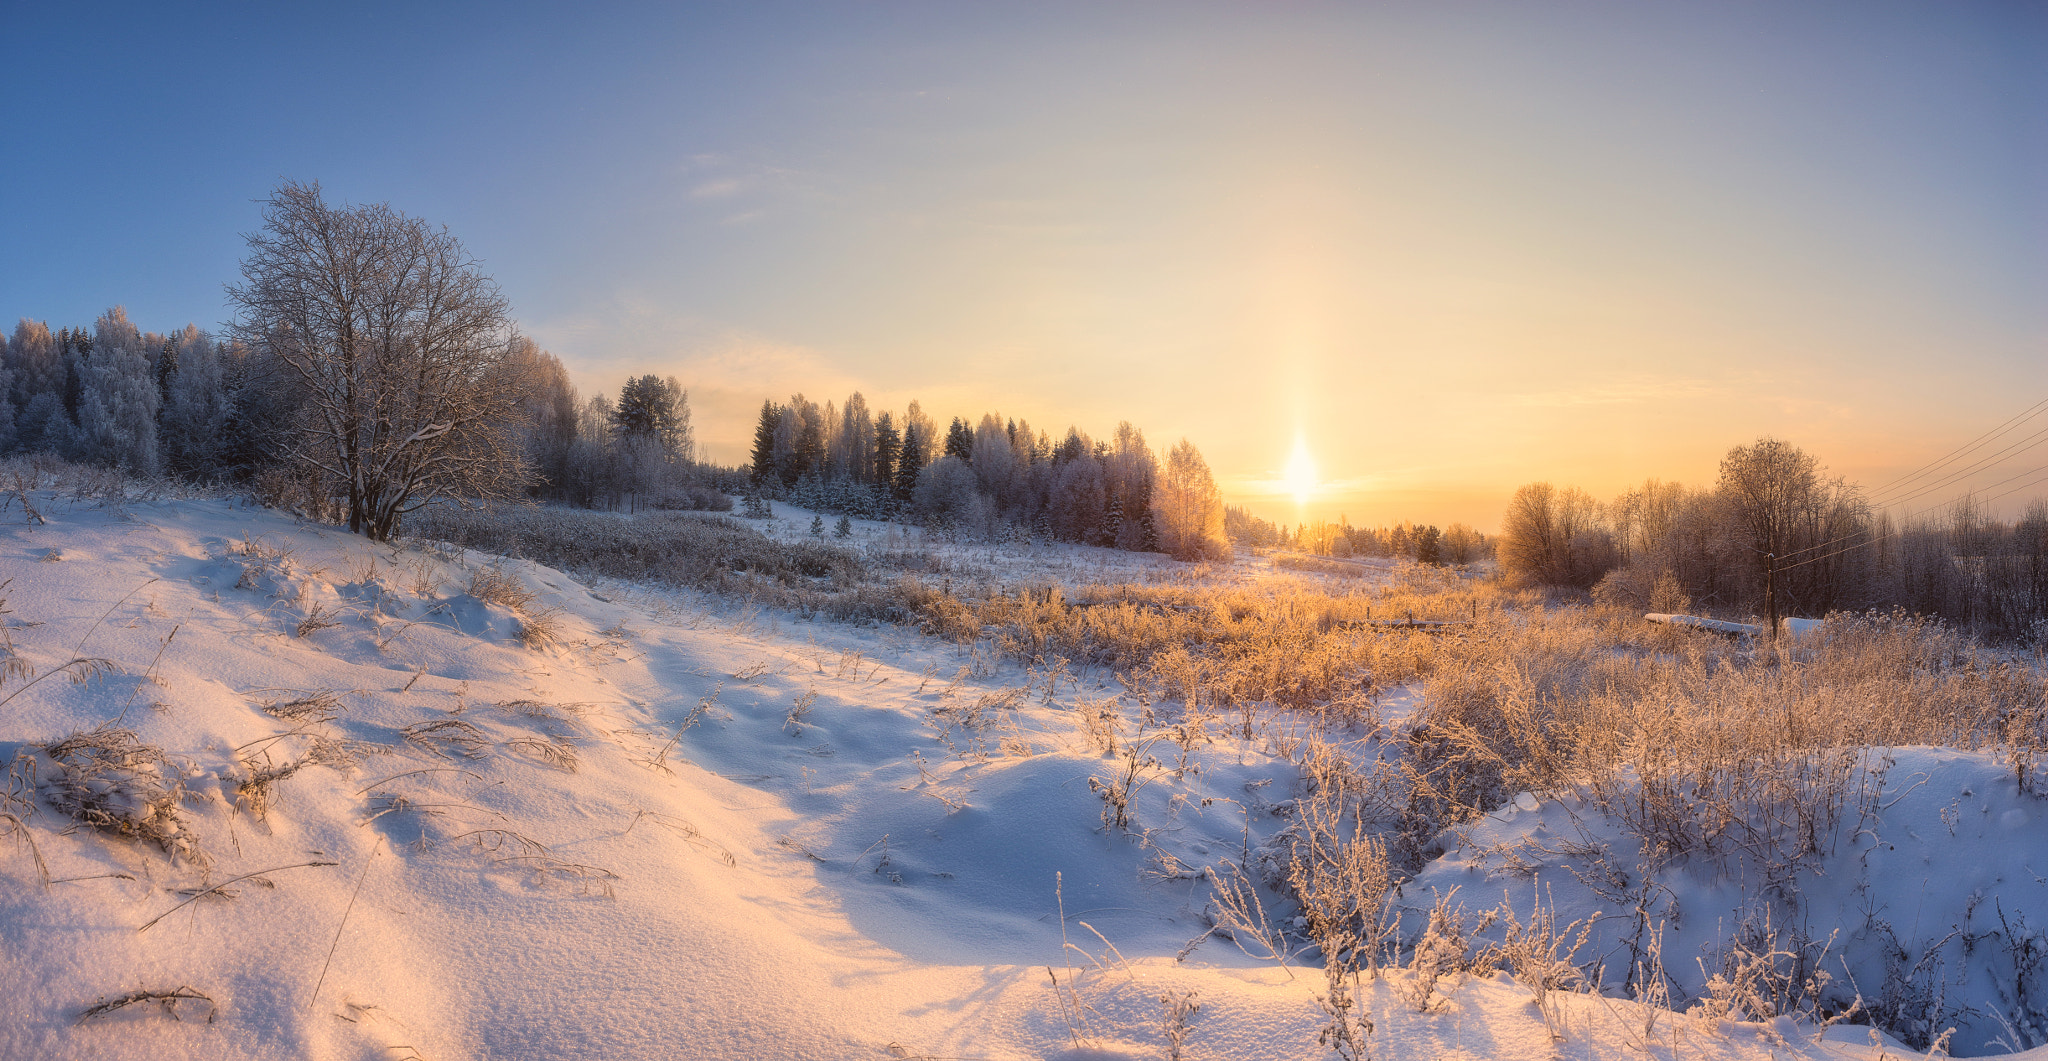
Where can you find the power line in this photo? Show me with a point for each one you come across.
(1953, 477)
(2042, 477)
(1948, 479)
(1986, 437)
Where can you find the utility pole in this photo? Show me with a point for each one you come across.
(1771, 593)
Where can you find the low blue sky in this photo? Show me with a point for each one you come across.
(1452, 247)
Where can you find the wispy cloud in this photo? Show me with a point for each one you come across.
(720, 188)
(1631, 391)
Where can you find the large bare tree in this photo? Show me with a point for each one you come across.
(397, 344)
(1792, 528)
(1552, 537)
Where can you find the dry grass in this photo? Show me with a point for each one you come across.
(495, 585)
(107, 779)
(166, 1001)
(678, 549)
(18, 805)
(447, 738)
(303, 708)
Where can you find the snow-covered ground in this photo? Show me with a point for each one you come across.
(387, 802)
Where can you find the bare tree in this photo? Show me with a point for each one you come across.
(1793, 529)
(1553, 537)
(397, 343)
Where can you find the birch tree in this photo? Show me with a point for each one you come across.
(397, 343)
(1187, 509)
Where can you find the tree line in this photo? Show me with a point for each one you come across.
(1421, 542)
(1776, 535)
(371, 368)
(193, 406)
(991, 478)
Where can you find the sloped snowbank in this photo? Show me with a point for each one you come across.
(1925, 899)
(390, 802)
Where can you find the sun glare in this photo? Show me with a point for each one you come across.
(1300, 476)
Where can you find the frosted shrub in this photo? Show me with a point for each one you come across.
(1443, 949)
(1339, 876)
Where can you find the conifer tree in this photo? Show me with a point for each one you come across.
(764, 441)
(192, 423)
(76, 348)
(809, 455)
(166, 368)
(960, 441)
(911, 461)
(888, 447)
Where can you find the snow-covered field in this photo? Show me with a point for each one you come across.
(387, 802)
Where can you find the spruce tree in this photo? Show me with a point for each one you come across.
(166, 369)
(888, 447)
(808, 454)
(910, 462)
(764, 442)
(76, 347)
(960, 441)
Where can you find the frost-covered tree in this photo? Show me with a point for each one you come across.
(994, 457)
(74, 348)
(763, 453)
(1075, 508)
(32, 356)
(190, 425)
(888, 448)
(807, 442)
(396, 342)
(916, 444)
(1130, 471)
(799, 440)
(588, 476)
(927, 449)
(1788, 526)
(949, 496)
(656, 410)
(1545, 535)
(651, 429)
(856, 440)
(960, 440)
(1187, 509)
(550, 408)
(119, 399)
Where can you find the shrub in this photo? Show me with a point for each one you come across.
(678, 549)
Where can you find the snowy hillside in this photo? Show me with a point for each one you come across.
(361, 801)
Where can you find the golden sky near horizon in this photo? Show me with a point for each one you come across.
(1451, 255)
(1450, 247)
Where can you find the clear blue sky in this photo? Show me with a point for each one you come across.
(1453, 247)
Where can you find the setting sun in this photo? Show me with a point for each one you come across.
(1300, 476)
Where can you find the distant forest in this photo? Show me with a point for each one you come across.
(1776, 535)
(189, 405)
